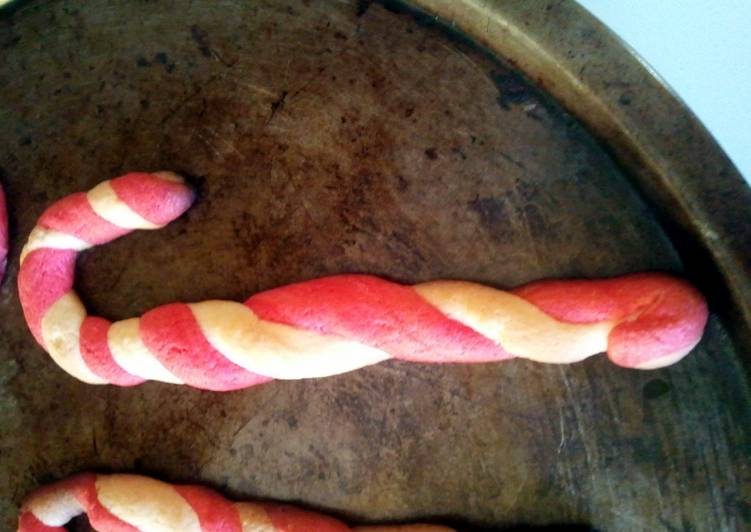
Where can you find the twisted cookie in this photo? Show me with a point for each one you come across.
(329, 325)
(3, 233)
(129, 503)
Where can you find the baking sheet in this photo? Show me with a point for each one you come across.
(331, 137)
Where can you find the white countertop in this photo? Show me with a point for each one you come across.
(702, 48)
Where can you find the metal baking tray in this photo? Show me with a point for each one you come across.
(498, 142)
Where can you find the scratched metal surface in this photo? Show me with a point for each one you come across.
(336, 137)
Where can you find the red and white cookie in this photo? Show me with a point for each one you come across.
(330, 325)
(132, 503)
(3, 234)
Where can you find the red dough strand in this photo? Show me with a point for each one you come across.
(129, 503)
(28, 523)
(158, 200)
(214, 512)
(73, 215)
(331, 325)
(97, 355)
(52, 506)
(172, 333)
(376, 312)
(657, 314)
(291, 519)
(46, 276)
(3, 234)
(84, 490)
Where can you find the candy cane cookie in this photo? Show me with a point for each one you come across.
(329, 325)
(132, 503)
(3, 234)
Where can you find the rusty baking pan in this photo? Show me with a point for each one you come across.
(498, 142)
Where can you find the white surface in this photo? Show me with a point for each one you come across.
(703, 50)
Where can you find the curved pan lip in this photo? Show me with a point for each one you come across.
(703, 201)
